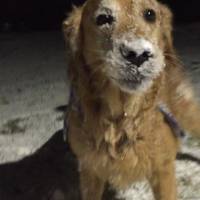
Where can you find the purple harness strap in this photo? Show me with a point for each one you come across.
(172, 122)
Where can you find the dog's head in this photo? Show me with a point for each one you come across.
(127, 40)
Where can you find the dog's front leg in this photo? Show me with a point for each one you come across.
(91, 186)
(163, 183)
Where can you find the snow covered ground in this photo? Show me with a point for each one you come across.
(33, 84)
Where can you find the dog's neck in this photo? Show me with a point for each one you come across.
(119, 104)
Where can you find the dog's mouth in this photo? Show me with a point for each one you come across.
(129, 84)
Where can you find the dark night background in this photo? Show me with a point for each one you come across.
(45, 14)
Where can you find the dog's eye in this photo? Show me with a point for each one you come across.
(150, 15)
(104, 19)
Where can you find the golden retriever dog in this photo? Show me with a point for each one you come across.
(122, 66)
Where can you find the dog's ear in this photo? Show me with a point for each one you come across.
(166, 28)
(71, 28)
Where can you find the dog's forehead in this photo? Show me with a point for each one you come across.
(112, 5)
(117, 5)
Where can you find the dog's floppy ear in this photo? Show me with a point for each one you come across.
(71, 27)
(166, 26)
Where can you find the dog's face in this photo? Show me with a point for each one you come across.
(125, 40)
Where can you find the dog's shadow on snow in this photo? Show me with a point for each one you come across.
(51, 173)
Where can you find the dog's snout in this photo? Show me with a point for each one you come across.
(134, 57)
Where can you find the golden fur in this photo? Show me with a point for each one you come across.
(120, 137)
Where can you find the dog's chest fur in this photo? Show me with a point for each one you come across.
(118, 137)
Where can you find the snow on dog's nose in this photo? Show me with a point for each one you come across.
(136, 52)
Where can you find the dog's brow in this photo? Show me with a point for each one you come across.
(104, 10)
(109, 4)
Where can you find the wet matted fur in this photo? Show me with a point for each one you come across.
(122, 65)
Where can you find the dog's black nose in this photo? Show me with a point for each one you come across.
(132, 56)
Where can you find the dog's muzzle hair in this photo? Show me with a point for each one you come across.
(135, 63)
